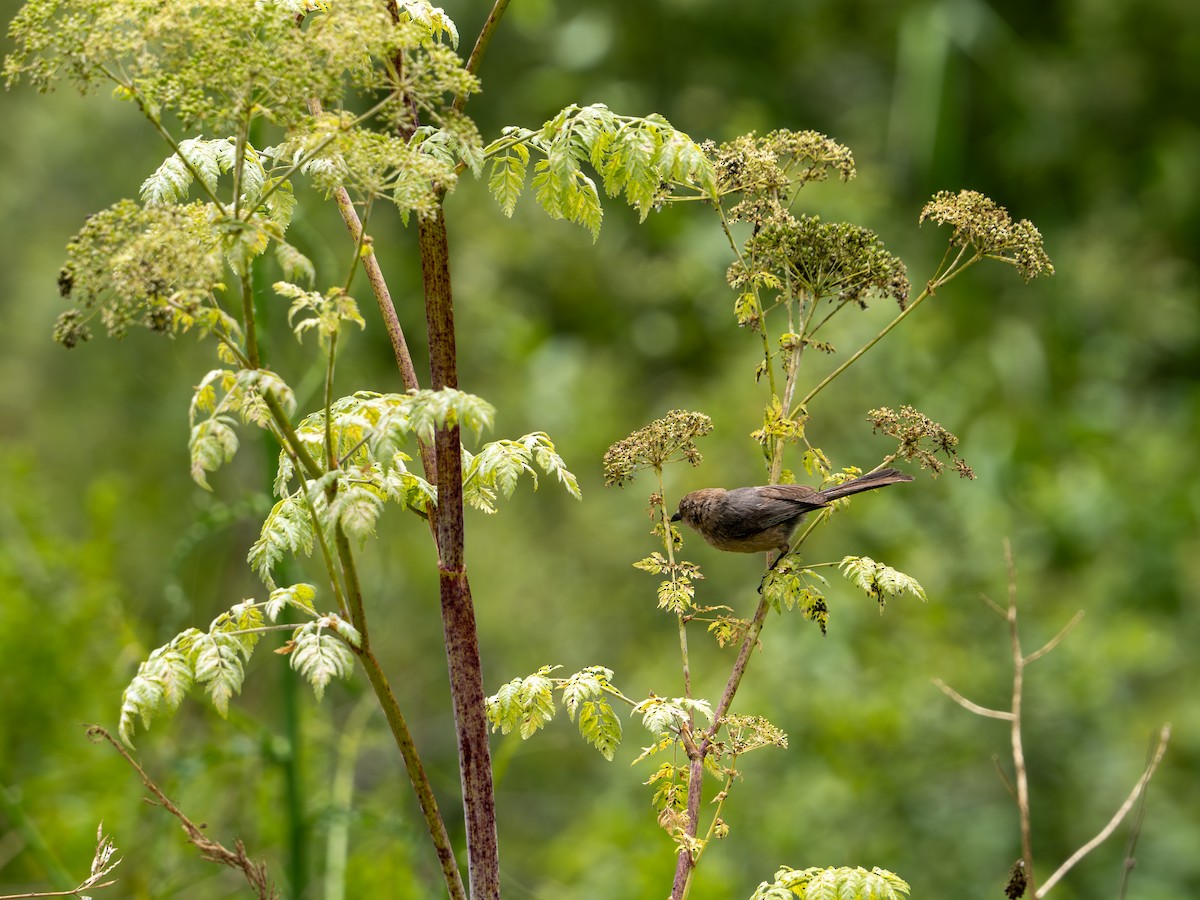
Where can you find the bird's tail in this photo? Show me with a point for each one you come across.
(868, 482)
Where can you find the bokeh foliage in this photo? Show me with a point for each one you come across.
(1075, 399)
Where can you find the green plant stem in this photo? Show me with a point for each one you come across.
(953, 272)
(416, 772)
(669, 546)
(295, 820)
(720, 802)
(458, 611)
(319, 532)
(359, 242)
(354, 597)
(481, 44)
(307, 465)
(239, 161)
(341, 797)
(791, 370)
(683, 655)
(686, 862)
(248, 323)
(331, 460)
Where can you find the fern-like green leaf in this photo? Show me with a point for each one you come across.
(544, 454)
(212, 443)
(655, 564)
(507, 179)
(255, 384)
(409, 489)
(878, 581)
(499, 464)
(287, 529)
(585, 685)
(238, 623)
(629, 167)
(526, 704)
(217, 658)
(840, 883)
(161, 683)
(356, 508)
(299, 596)
(295, 265)
(324, 312)
(432, 19)
(319, 657)
(169, 183)
(676, 595)
(600, 726)
(280, 205)
(661, 715)
(430, 410)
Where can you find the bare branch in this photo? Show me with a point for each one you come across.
(1008, 785)
(1164, 736)
(102, 864)
(996, 607)
(969, 706)
(254, 873)
(1054, 641)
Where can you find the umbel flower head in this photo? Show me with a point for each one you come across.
(837, 261)
(981, 223)
(654, 445)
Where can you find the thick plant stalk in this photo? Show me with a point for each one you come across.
(458, 611)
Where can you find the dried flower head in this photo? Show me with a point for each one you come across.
(779, 163)
(920, 439)
(651, 447)
(748, 733)
(980, 223)
(837, 261)
(139, 266)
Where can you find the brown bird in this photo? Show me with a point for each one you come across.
(758, 519)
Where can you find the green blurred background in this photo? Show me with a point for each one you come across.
(1075, 398)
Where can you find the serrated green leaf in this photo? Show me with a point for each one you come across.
(212, 443)
(319, 657)
(299, 596)
(600, 727)
(217, 659)
(161, 683)
(293, 263)
(877, 580)
(526, 704)
(287, 529)
(507, 179)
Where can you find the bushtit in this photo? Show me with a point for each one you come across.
(757, 519)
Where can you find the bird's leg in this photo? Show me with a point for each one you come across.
(783, 551)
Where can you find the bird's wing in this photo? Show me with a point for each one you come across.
(760, 508)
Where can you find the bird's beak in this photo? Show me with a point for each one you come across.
(677, 517)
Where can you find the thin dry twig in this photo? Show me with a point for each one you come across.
(1021, 787)
(1164, 736)
(969, 706)
(254, 873)
(101, 866)
(1135, 831)
(1056, 640)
